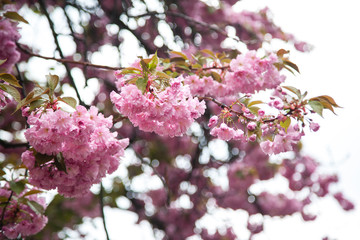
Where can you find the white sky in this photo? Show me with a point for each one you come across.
(332, 27)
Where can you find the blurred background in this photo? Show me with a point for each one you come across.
(331, 68)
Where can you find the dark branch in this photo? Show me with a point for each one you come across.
(4, 209)
(55, 35)
(13, 145)
(64, 61)
(101, 198)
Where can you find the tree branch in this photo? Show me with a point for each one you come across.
(101, 198)
(64, 61)
(160, 176)
(55, 35)
(13, 145)
(3, 211)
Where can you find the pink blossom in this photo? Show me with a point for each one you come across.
(252, 138)
(250, 73)
(261, 113)
(314, 126)
(8, 51)
(251, 126)
(344, 203)
(278, 104)
(82, 139)
(241, 176)
(283, 141)
(170, 113)
(20, 218)
(278, 204)
(224, 132)
(4, 99)
(212, 121)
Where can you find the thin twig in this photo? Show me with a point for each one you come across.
(23, 92)
(101, 198)
(68, 60)
(55, 35)
(3, 211)
(213, 27)
(160, 176)
(13, 145)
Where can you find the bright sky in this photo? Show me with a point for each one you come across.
(330, 69)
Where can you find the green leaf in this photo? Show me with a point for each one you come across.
(292, 65)
(36, 104)
(41, 159)
(293, 90)
(326, 98)
(15, 16)
(209, 52)
(143, 65)
(2, 61)
(254, 103)
(69, 101)
(31, 192)
(303, 96)
(153, 62)
(2, 172)
(285, 124)
(162, 75)
(254, 110)
(180, 54)
(17, 187)
(177, 59)
(282, 52)
(60, 162)
(3, 200)
(316, 106)
(12, 91)
(215, 76)
(31, 97)
(36, 207)
(131, 70)
(10, 79)
(53, 81)
(141, 84)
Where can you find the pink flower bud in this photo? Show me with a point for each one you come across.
(212, 121)
(251, 126)
(314, 126)
(278, 104)
(252, 138)
(261, 113)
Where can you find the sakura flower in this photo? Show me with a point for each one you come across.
(224, 132)
(212, 121)
(314, 126)
(20, 218)
(170, 113)
(79, 146)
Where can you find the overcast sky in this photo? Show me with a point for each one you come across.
(332, 27)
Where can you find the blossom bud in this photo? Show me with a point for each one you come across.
(251, 126)
(212, 121)
(314, 126)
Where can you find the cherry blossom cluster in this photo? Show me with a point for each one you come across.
(169, 112)
(259, 24)
(247, 73)
(252, 28)
(8, 51)
(19, 218)
(78, 146)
